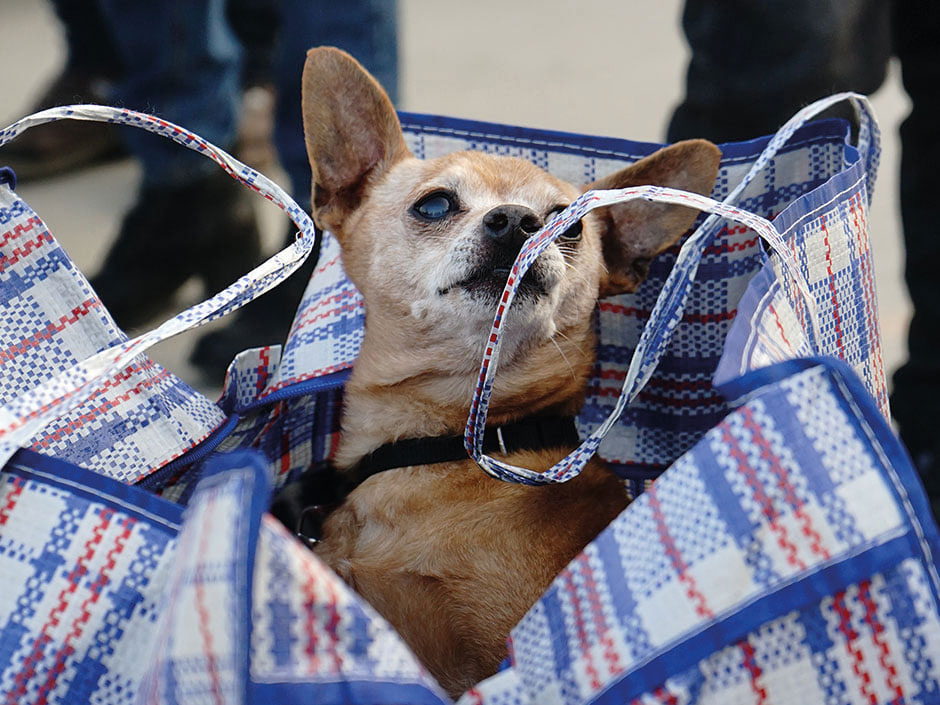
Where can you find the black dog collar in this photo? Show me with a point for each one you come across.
(533, 433)
(303, 504)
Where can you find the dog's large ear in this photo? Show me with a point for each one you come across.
(636, 231)
(352, 132)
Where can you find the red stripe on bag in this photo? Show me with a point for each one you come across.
(81, 621)
(74, 578)
(614, 667)
(310, 603)
(832, 287)
(44, 238)
(754, 671)
(332, 626)
(666, 697)
(473, 696)
(760, 496)
(644, 314)
(20, 230)
(46, 333)
(15, 485)
(675, 557)
(871, 297)
(877, 637)
(202, 610)
(75, 424)
(784, 484)
(722, 247)
(855, 654)
(580, 624)
(264, 364)
(339, 306)
(783, 333)
(620, 309)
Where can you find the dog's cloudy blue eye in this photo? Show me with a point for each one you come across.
(435, 206)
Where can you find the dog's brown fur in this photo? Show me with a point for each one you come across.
(451, 557)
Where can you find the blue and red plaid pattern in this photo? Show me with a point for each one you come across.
(830, 244)
(312, 634)
(139, 419)
(201, 646)
(294, 426)
(24, 415)
(327, 331)
(250, 615)
(791, 546)
(84, 562)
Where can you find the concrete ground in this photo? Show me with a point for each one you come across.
(540, 63)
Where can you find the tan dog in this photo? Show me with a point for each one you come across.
(451, 557)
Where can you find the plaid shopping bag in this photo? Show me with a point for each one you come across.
(236, 611)
(112, 595)
(142, 418)
(788, 557)
(84, 562)
(74, 386)
(250, 615)
(829, 240)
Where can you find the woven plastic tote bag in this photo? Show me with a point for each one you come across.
(789, 522)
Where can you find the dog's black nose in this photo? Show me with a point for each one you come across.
(511, 225)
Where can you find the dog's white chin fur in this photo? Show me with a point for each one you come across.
(461, 315)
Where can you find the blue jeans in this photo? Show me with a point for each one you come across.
(367, 29)
(180, 60)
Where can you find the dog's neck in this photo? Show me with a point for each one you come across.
(397, 391)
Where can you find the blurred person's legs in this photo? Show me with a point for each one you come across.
(367, 29)
(182, 63)
(754, 64)
(91, 68)
(255, 24)
(915, 401)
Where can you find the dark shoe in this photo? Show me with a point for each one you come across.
(265, 321)
(65, 145)
(205, 229)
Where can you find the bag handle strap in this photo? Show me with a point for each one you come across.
(670, 304)
(22, 418)
(572, 464)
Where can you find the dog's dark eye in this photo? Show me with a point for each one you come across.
(435, 206)
(572, 234)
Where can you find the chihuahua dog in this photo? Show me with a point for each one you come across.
(451, 557)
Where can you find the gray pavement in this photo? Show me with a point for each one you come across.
(605, 67)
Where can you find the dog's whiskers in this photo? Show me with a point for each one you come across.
(578, 349)
(563, 356)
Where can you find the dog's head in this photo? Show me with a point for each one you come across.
(430, 243)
